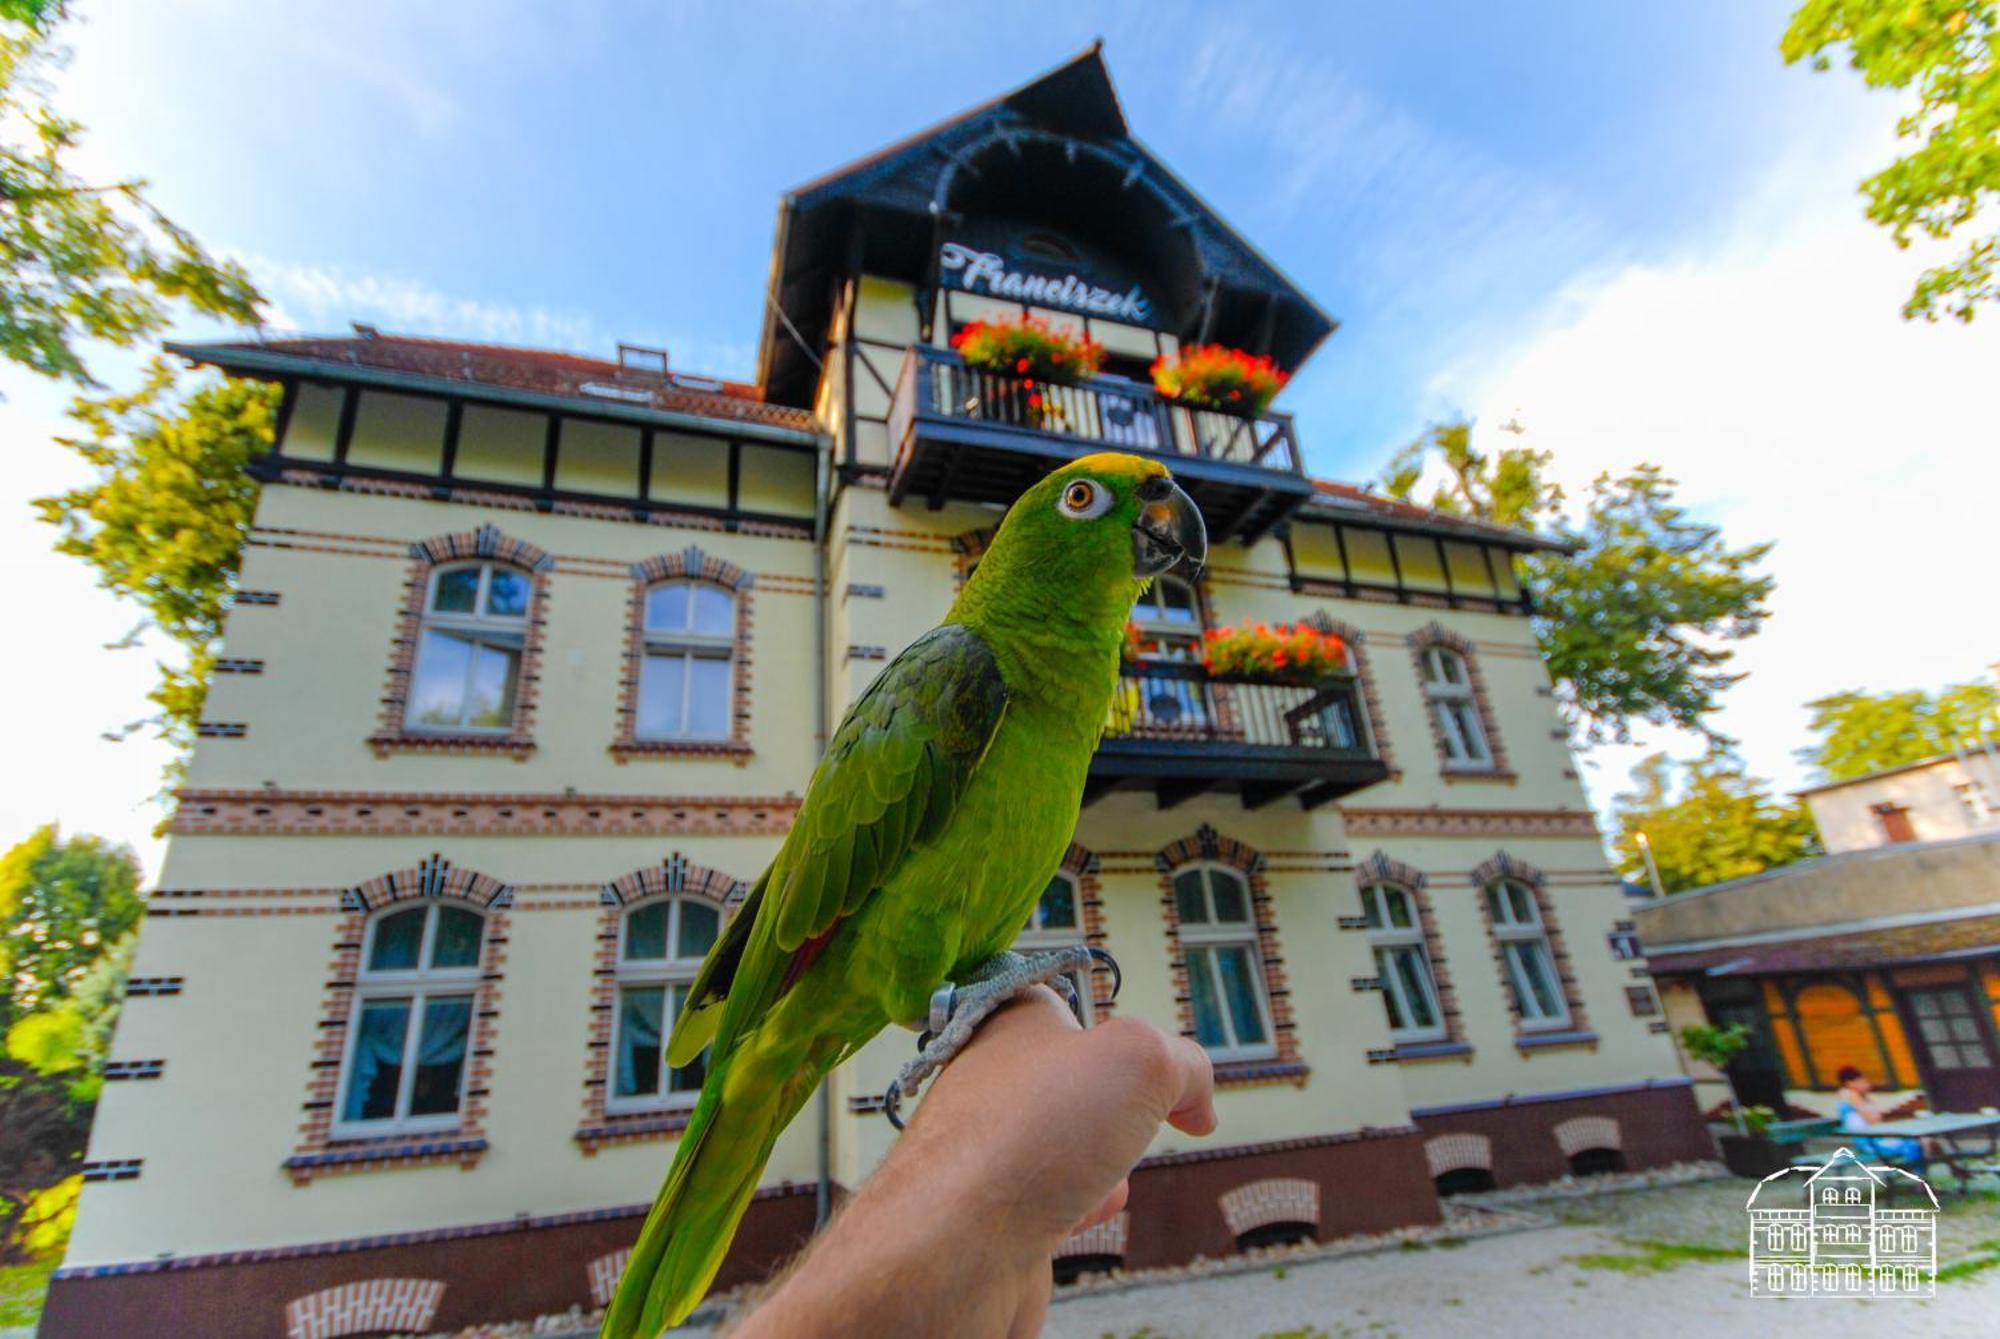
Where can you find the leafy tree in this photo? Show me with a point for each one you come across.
(63, 903)
(165, 519)
(1718, 823)
(1950, 50)
(1634, 623)
(82, 260)
(1865, 732)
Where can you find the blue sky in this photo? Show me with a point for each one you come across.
(1631, 226)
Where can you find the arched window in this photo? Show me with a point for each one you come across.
(1524, 950)
(1056, 922)
(660, 947)
(1232, 1010)
(1448, 691)
(1168, 617)
(405, 1065)
(1403, 962)
(468, 664)
(686, 675)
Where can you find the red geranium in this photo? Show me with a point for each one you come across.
(1300, 650)
(1029, 347)
(1211, 376)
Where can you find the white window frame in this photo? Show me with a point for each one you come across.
(1038, 938)
(662, 973)
(1455, 708)
(503, 632)
(1388, 939)
(1197, 944)
(1176, 643)
(1509, 930)
(687, 645)
(420, 984)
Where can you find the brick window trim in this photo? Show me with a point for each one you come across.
(676, 876)
(1436, 634)
(366, 1307)
(1381, 868)
(1371, 701)
(690, 564)
(1577, 1032)
(393, 734)
(1082, 867)
(318, 1152)
(1207, 846)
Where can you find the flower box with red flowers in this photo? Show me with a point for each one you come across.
(1029, 348)
(1293, 653)
(1211, 376)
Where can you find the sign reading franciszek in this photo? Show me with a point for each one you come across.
(986, 272)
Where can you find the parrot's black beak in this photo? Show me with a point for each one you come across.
(1169, 529)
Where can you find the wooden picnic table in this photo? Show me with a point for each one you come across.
(1965, 1141)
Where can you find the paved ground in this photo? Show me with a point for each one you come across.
(1570, 1280)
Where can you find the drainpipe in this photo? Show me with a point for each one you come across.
(822, 485)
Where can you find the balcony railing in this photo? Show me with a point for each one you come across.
(965, 432)
(1182, 730)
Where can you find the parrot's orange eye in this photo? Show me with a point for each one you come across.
(1084, 500)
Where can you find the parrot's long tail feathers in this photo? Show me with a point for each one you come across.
(715, 1172)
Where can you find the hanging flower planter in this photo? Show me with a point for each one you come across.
(1295, 653)
(1034, 356)
(1211, 376)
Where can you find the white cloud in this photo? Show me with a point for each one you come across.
(1775, 378)
(323, 298)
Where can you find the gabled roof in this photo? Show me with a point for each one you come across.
(883, 214)
(598, 385)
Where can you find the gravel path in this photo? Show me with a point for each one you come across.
(1523, 1283)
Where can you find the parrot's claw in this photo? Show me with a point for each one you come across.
(957, 1011)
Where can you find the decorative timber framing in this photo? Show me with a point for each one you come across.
(1207, 845)
(395, 734)
(676, 876)
(1380, 868)
(1436, 634)
(690, 564)
(320, 1154)
(1371, 701)
(1504, 866)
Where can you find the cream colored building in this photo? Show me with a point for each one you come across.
(1938, 799)
(531, 660)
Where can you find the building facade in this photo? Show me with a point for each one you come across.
(1833, 1231)
(1953, 795)
(531, 660)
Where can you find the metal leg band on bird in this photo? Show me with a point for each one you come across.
(958, 1010)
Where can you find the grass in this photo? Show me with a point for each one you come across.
(21, 1291)
(1653, 1257)
(1985, 1255)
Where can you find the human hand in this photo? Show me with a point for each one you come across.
(1025, 1137)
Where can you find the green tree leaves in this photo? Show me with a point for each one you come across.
(82, 261)
(1707, 821)
(165, 519)
(1866, 732)
(1950, 51)
(1635, 624)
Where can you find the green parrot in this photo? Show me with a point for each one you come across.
(942, 808)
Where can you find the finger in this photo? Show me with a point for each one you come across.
(1193, 1111)
(1113, 1205)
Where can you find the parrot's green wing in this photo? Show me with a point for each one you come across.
(890, 779)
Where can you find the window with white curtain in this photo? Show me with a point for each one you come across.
(1403, 962)
(1524, 950)
(1218, 931)
(1056, 923)
(1448, 691)
(468, 664)
(404, 1070)
(686, 671)
(660, 947)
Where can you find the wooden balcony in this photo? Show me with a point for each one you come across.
(1179, 731)
(960, 433)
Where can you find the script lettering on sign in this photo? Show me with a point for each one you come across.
(986, 272)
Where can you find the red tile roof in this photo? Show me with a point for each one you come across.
(1968, 936)
(1340, 499)
(544, 371)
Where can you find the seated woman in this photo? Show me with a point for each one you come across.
(1857, 1112)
